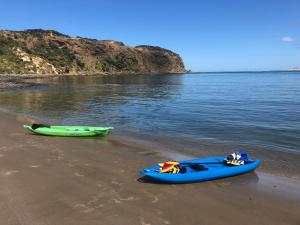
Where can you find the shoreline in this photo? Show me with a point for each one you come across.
(51, 180)
(281, 164)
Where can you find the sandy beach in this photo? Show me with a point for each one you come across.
(75, 181)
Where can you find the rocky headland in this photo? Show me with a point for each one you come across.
(38, 51)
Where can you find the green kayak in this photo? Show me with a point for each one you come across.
(68, 131)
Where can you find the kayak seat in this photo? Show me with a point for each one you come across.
(36, 126)
(198, 167)
(182, 169)
(192, 167)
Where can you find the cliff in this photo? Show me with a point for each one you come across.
(50, 52)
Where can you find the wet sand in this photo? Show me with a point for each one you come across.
(87, 181)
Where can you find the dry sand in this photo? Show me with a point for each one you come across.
(89, 181)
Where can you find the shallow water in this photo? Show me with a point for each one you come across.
(252, 111)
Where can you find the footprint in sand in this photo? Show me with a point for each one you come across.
(10, 172)
(79, 175)
(115, 182)
(161, 221)
(224, 184)
(35, 166)
(70, 164)
(59, 154)
(155, 198)
(83, 208)
(164, 221)
(105, 196)
(99, 185)
(117, 201)
(142, 221)
(4, 149)
(130, 198)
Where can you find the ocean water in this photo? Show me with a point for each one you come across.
(258, 110)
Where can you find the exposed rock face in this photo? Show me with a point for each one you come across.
(50, 52)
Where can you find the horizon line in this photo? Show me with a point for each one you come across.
(244, 71)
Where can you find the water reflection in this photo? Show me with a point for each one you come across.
(90, 99)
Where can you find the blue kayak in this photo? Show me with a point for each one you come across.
(212, 168)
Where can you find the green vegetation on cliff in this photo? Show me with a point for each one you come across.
(50, 52)
(9, 62)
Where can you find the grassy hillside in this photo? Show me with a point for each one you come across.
(50, 52)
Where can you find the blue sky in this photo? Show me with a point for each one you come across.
(211, 35)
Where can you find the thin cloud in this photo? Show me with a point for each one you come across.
(288, 39)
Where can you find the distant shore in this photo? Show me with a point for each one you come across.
(23, 80)
(50, 180)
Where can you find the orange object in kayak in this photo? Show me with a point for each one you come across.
(168, 167)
